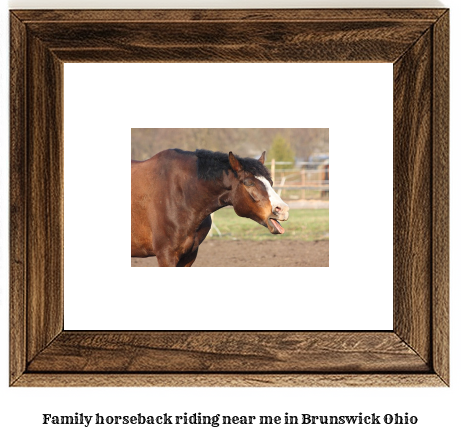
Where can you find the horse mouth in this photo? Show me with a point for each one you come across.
(276, 228)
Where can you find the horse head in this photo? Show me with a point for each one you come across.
(253, 197)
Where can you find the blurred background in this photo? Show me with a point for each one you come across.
(298, 160)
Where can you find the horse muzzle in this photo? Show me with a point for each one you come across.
(274, 225)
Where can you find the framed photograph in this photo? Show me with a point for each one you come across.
(286, 177)
(415, 352)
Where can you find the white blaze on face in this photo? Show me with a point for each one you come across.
(274, 198)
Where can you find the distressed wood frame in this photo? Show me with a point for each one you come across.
(414, 353)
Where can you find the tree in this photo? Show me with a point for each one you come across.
(281, 151)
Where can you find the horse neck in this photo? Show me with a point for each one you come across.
(215, 196)
(208, 196)
(224, 190)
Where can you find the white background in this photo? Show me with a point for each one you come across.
(103, 102)
(437, 409)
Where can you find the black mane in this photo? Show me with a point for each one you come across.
(211, 164)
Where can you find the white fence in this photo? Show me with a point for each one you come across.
(310, 179)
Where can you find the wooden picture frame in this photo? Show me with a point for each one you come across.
(414, 353)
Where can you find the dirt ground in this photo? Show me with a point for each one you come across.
(274, 253)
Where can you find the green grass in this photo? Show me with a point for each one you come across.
(303, 224)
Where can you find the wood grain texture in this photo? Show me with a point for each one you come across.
(236, 352)
(18, 211)
(229, 36)
(44, 197)
(184, 15)
(242, 41)
(414, 354)
(413, 196)
(441, 212)
(230, 380)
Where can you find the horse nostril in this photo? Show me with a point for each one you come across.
(277, 209)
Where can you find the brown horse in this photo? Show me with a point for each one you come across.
(174, 192)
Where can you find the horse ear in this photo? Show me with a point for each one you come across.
(262, 159)
(234, 163)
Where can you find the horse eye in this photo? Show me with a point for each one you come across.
(248, 182)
